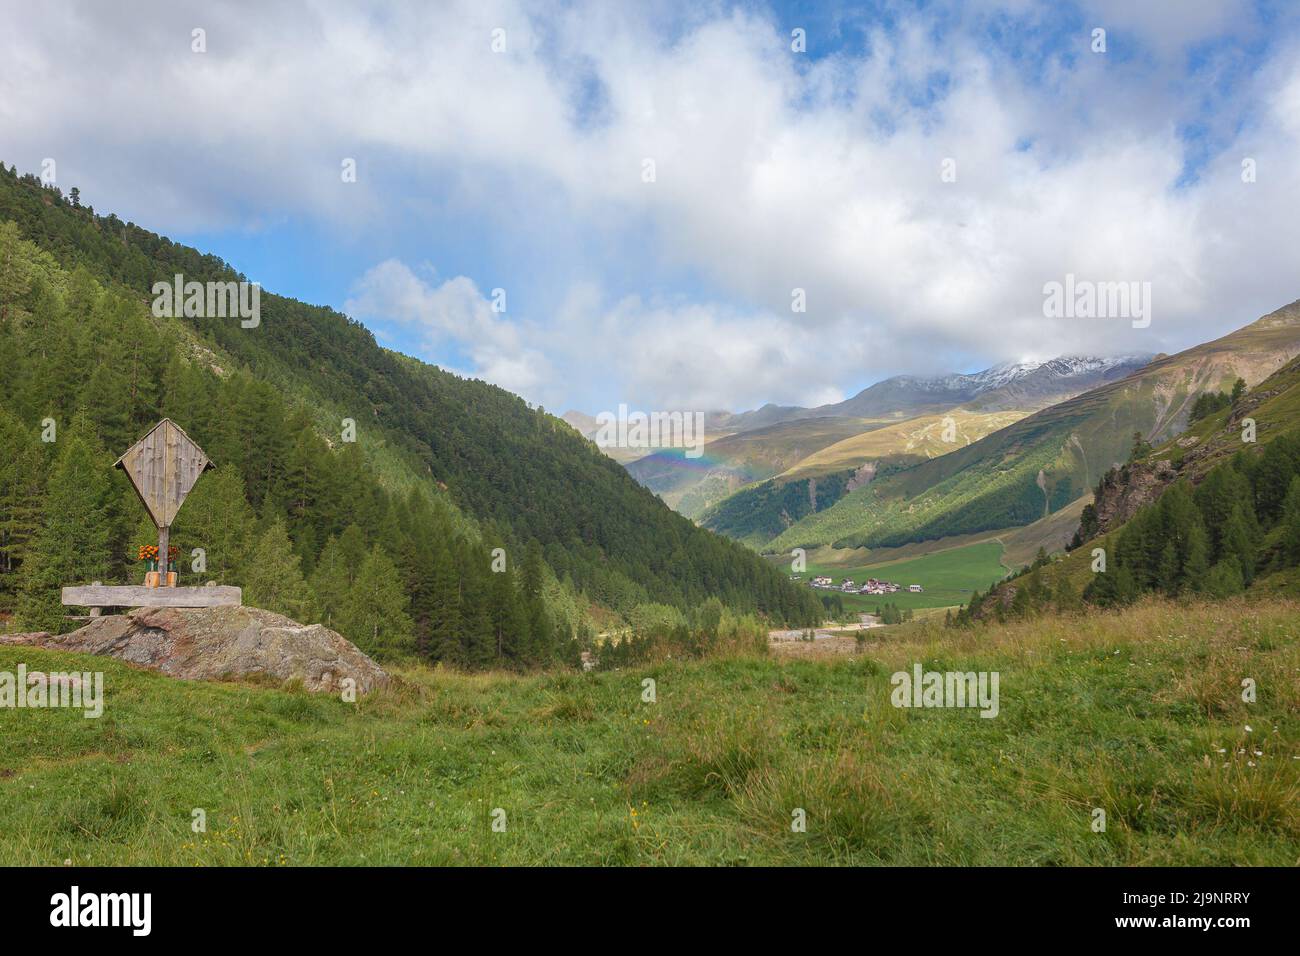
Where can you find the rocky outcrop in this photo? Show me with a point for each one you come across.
(31, 637)
(1122, 492)
(218, 643)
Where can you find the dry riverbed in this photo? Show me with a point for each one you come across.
(830, 639)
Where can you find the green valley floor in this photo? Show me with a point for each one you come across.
(948, 576)
(1137, 713)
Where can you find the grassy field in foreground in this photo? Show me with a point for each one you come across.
(1138, 713)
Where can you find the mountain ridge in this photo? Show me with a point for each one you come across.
(1048, 459)
(916, 393)
(695, 487)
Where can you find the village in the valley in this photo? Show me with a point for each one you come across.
(870, 586)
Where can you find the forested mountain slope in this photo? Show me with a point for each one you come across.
(442, 469)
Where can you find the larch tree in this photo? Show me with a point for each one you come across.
(72, 546)
(374, 615)
(22, 474)
(273, 576)
(331, 581)
(216, 518)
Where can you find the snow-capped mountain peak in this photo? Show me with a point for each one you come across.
(1004, 373)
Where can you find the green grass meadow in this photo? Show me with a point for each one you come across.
(1139, 714)
(947, 576)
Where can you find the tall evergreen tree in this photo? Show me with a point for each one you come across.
(445, 626)
(330, 582)
(1196, 566)
(1064, 594)
(1241, 540)
(1225, 578)
(72, 546)
(374, 615)
(22, 473)
(218, 519)
(1291, 523)
(273, 576)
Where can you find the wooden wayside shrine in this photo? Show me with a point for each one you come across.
(163, 467)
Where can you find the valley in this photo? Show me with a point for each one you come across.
(957, 499)
(948, 577)
(515, 693)
(586, 434)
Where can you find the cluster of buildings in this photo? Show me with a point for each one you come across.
(872, 586)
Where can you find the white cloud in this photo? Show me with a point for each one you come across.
(453, 313)
(773, 172)
(654, 355)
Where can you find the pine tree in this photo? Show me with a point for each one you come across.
(72, 546)
(415, 566)
(374, 616)
(273, 576)
(107, 399)
(302, 487)
(331, 581)
(1022, 603)
(509, 624)
(1113, 587)
(15, 268)
(353, 547)
(477, 634)
(1065, 596)
(1168, 571)
(1088, 527)
(1225, 579)
(1196, 564)
(1217, 496)
(346, 492)
(1101, 589)
(541, 629)
(305, 546)
(217, 518)
(1126, 588)
(22, 473)
(1272, 476)
(445, 605)
(1241, 540)
(1290, 542)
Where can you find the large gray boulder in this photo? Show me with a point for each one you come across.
(221, 642)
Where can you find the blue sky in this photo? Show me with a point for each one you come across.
(523, 169)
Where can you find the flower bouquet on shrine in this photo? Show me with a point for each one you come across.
(148, 553)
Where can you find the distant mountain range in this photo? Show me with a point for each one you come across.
(905, 414)
(1027, 386)
(1015, 475)
(916, 459)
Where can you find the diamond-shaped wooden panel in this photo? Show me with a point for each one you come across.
(163, 466)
